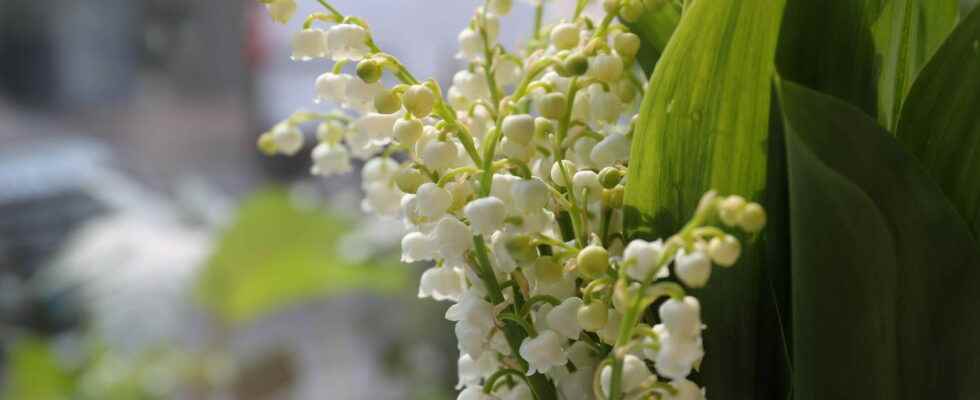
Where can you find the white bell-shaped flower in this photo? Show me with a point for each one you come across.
(519, 128)
(348, 42)
(288, 139)
(473, 309)
(505, 262)
(515, 151)
(610, 331)
(577, 385)
(613, 148)
(565, 36)
(564, 318)
(587, 181)
(582, 151)
(442, 283)
(677, 355)
(519, 392)
(453, 238)
(605, 106)
(507, 72)
(634, 373)
(558, 176)
(379, 169)
(582, 355)
(471, 371)
(692, 268)
(470, 45)
(380, 128)
(682, 317)
(472, 85)
(641, 257)
(686, 390)
(360, 95)
(417, 246)
(433, 201)
(309, 44)
(543, 352)
(474, 393)
(486, 215)
(606, 67)
(332, 87)
(382, 198)
(439, 155)
(471, 338)
(724, 251)
(530, 195)
(281, 11)
(502, 187)
(330, 159)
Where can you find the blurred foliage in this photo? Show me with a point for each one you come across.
(34, 373)
(275, 255)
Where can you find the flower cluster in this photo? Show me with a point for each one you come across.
(511, 184)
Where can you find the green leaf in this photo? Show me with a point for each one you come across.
(906, 35)
(940, 122)
(885, 272)
(655, 27)
(32, 372)
(865, 52)
(702, 126)
(276, 255)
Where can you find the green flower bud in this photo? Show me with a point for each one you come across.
(387, 102)
(752, 218)
(613, 198)
(521, 248)
(729, 209)
(576, 65)
(625, 91)
(611, 6)
(266, 144)
(330, 132)
(631, 11)
(547, 269)
(552, 105)
(543, 126)
(369, 70)
(419, 100)
(593, 316)
(609, 177)
(593, 261)
(409, 179)
(724, 251)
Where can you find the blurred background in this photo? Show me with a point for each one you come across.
(147, 249)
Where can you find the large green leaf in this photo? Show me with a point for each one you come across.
(655, 27)
(940, 122)
(865, 52)
(885, 272)
(276, 255)
(906, 35)
(703, 125)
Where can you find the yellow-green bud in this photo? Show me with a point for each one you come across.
(266, 144)
(593, 316)
(625, 91)
(609, 177)
(752, 218)
(631, 11)
(593, 261)
(613, 198)
(627, 44)
(409, 179)
(330, 132)
(730, 208)
(611, 6)
(547, 269)
(369, 70)
(419, 100)
(576, 65)
(543, 126)
(521, 248)
(387, 102)
(552, 105)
